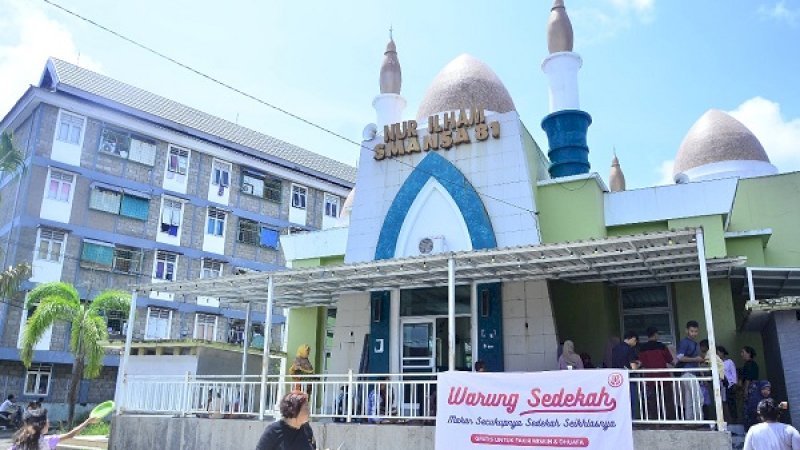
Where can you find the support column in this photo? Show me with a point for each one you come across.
(712, 342)
(123, 365)
(451, 314)
(265, 354)
(246, 340)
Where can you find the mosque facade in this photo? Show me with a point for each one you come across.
(465, 174)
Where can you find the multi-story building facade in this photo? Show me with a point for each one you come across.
(126, 187)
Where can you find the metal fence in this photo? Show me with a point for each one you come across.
(658, 396)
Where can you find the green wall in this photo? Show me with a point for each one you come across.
(771, 202)
(637, 228)
(713, 232)
(587, 314)
(751, 247)
(307, 325)
(571, 211)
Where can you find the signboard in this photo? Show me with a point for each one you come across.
(559, 409)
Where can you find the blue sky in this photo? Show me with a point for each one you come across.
(651, 67)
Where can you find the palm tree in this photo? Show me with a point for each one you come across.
(13, 162)
(58, 301)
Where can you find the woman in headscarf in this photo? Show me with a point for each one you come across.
(301, 366)
(569, 359)
(758, 391)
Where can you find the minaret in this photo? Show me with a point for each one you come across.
(616, 179)
(566, 125)
(389, 105)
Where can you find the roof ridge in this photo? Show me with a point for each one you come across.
(105, 86)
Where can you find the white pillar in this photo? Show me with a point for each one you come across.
(265, 354)
(561, 69)
(123, 365)
(712, 341)
(388, 109)
(246, 341)
(451, 314)
(473, 303)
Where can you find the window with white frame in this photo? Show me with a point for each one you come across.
(178, 160)
(37, 379)
(648, 306)
(70, 127)
(50, 245)
(159, 323)
(171, 214)
(331, 205)
(165, 265)
(215, 224)
(59, 185)
(299, 194)
(205, 327)
(211, 268)
(220, 173)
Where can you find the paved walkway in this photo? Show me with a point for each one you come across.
(84, 442)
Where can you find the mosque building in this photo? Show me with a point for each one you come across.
(463, 175)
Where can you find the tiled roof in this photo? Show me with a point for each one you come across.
(164, 108)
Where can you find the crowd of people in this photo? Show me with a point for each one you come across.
(742, 389)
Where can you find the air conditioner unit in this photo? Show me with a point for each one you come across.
(431, 245)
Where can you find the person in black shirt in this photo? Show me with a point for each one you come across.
(292, 432)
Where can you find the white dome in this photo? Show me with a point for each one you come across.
(464, 83)
(720, 146)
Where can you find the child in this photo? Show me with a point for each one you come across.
(35, 425)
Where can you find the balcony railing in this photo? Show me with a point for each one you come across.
(662, 396)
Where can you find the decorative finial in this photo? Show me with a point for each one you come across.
(391, 75)
(559, 29)
(616, 179)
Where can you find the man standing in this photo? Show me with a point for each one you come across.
(623, 356)
(689, 358)
(655, 355)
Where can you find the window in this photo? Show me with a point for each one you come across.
(126, 145)
(299, 196)
(220, 173)
(648, 306)
(59, 185)
(178, 160)
(97, 255)
(331, 205)
(165, 264)
(115, 321)
(205, 327)
(135, 207)
(69, 128)
(171, 216)
(264, 186)
(104, 199)
(211, 268)
(127, 260)
(254, 233)
(50, 245)
(215, 225)
(37, 380)
(159, 323)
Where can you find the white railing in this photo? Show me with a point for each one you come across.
(659, 396)
(672, 396)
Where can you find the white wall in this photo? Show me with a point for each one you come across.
(45, 271)
(44, 341)
(64, 151)
(352, 324)
(535, 347)
(496, 168)
(161, 364)
(332, 242)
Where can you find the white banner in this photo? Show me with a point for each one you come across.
(561, 409)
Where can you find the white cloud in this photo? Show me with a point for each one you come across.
(27, 39)
(665, 172)
(603, 21)
(780, 137)
(780, 12)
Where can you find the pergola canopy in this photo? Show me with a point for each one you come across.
(660, 257)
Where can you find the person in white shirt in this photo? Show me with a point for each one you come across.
(9, 410)
(731, 380)
(771, 434)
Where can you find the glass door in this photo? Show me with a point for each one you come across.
(419, 350)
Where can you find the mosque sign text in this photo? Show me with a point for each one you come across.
(452, 130)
